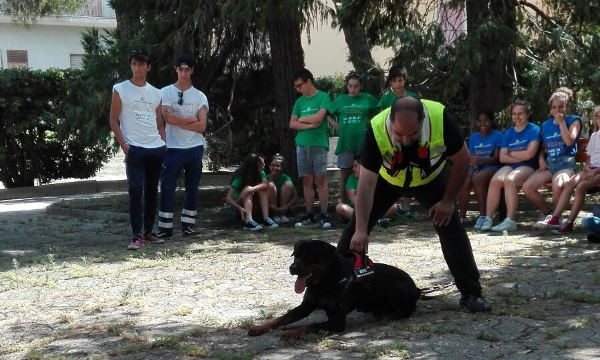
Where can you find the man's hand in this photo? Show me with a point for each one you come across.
(359, 242)
(441, 213)
(125, 148)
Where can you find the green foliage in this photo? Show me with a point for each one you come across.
(46, 130)
(332, 84)
(27, 11)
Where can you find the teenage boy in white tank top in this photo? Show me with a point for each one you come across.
(136, 121)
(185, 109)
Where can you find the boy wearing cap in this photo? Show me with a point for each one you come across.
(136, 121)
(185, 109)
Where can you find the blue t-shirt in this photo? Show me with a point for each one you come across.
(555, 146)
(519, 141)
(484, 146)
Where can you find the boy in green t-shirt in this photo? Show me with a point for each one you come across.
(396, 80)
(312, 144)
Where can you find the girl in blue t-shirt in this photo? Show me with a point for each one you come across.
(557, 163)
(249, 187)
(484, 152)
(519, 154)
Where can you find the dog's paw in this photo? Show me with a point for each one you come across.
(295, 333)
(257, 330)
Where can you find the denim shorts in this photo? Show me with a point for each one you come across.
(485, 167)
(345, 159)
(562, 162)
(311, 160)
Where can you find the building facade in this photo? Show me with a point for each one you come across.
(52, 41)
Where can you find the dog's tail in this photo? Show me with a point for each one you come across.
(428, 290)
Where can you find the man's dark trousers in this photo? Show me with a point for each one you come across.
(143, 167)
(456, 246)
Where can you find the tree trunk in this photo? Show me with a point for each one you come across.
(361, 58)
(492, 80)
(287, 58)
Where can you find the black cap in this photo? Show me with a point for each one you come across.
(139, 54)
(184, 60)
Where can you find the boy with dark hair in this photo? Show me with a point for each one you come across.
(185, 109)
(312, 144)
(136, 121)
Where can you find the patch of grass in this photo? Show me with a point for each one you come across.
(397, 349)
(488, 336)
(580, 297)
(183, 310)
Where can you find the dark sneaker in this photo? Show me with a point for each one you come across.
(164, 233)
(593, 237)
(136, 242)
(153, 239)
(188, 230)
(325, 223)
(270, 224)
(251, 225)
(475, 303)
(306, 220)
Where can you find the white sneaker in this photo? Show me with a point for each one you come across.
(478, 223)
(486, 223)
(277, 219)
(506, 225)
(283, 219)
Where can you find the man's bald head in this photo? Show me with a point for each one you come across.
(407, 104)
(406, 119)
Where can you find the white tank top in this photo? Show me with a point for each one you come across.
(138, 114)
(193, 101)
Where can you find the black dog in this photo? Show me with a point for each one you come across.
(331, 285)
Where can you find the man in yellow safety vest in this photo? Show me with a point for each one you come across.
(404, 154)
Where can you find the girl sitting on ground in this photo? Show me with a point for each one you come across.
(282, 192)
(249, 188)
(588, 178)
(519, 152)
(559, 140)
(484, 155)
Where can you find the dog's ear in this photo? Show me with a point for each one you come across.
(297, 246)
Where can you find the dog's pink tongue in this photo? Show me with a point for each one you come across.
(300, 284)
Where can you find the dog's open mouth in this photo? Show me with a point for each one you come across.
(301, 283)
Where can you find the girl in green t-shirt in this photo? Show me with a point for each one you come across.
(352, 112)
(249, 186)
(282, 192)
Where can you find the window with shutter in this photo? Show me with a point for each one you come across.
(76, 61)
(16, 58)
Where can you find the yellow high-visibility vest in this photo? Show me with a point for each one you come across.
(431, 144)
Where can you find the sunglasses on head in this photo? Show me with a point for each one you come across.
(180, 94)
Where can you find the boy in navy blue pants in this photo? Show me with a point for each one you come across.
(136, 121)
(185, 109)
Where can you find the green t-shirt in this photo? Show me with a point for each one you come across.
(304, 106)
(282, 179)
(353, 114)
(388, 99)
(236, 183)
(351, 184)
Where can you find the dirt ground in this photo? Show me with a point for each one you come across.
(70, 290)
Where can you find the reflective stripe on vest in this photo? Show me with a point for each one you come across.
(432, 138)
